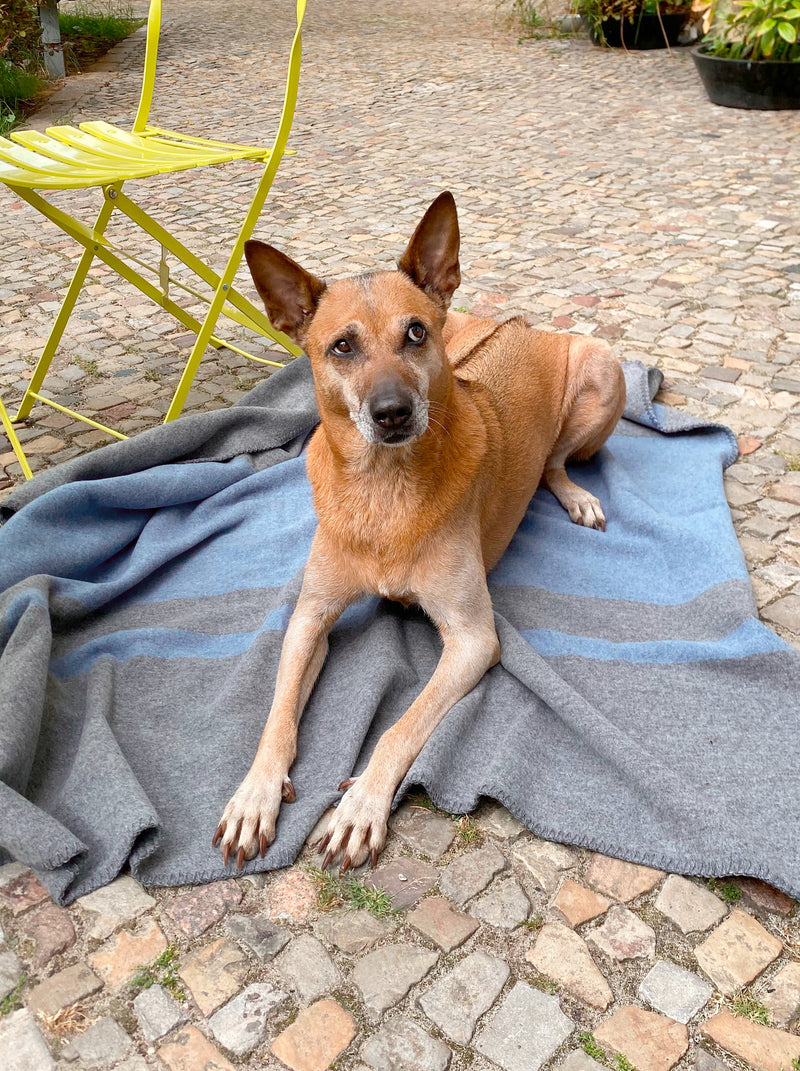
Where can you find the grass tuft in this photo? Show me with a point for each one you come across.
(467, 830)
(728, 891)
(89, 32)
(590, 1046)
(90, 367)
(334, 891)
(162, 971)
(534, 923)
(12, 1001)
(747, 1006)
(152, 376)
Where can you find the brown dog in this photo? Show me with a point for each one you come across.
(436, 429)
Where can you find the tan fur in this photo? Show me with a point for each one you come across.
(500, 408)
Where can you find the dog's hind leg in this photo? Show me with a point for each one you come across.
(595, 401)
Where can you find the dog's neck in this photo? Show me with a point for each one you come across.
(363, 490)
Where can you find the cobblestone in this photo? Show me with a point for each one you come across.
(104, 1043)
(22, 1047)
(157, 1012)
(689, 906)
(470, 874)
(526, 1031)
(385, 976)
(737, 952)
(308, 968)
(623, 935)
(457, 1001)
(559, 953)
(439, 920)
(242, 1024)
(674, 991)
(406, 1046)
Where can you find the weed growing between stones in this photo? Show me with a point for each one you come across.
(152, 376)
(467, 830)
(89, 367)
(162, 971)
(793, 465)
(333, 891)
(534, 923)
(728, 891)
(747, 1006)
(590, 1046)
(12, 1000)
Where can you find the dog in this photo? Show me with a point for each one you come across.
(436, 428)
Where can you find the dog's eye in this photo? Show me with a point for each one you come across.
(416, 334)
(342, 348)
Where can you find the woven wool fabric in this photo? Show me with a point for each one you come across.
(640, 708)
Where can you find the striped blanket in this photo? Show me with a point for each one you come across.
(640, 708)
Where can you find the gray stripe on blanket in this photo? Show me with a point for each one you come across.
(712, 615)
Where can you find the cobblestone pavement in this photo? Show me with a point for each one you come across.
(598, 192)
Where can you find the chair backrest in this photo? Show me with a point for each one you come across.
(150, 59)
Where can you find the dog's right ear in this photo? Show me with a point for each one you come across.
(431, 257)
(290, 294)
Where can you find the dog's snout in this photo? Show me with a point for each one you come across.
(391, 410)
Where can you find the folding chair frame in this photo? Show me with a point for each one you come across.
(225, 299)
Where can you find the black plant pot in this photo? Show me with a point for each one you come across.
(646, 31)
(733, 83)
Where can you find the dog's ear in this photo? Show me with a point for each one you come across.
(431, 258)
(290, 294)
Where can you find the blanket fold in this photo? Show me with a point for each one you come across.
(640, 708)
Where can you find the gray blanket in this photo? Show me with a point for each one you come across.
(640, 707)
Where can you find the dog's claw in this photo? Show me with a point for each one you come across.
(343, 787)
(226, 851)
(374, 856)
(218, 835)
(323, 844)
(346, 864)
(288, 794)
(326, 862)
(240, 859)
(263, 844)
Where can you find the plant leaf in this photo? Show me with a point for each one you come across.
(787, 32)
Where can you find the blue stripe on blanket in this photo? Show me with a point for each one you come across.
(750, 638)
(637, 479)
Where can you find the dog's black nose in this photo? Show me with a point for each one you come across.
(391, 412)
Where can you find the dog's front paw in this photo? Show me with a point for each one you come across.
(248, 822)
(358, 826)
(585, 509)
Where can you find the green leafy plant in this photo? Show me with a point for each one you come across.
(17, 86)
(596, 12)
(162, 971)
(755, 30)
(20, 33)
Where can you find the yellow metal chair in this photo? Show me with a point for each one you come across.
(102, 155)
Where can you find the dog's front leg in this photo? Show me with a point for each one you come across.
(465, 620)
(248, 822)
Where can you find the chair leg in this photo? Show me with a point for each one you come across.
(64, 313)
(15, 443)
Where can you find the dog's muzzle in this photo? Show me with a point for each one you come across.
(395, 416)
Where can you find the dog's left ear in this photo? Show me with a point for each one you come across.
(431, 258)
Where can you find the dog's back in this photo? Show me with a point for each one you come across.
(516, 376)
